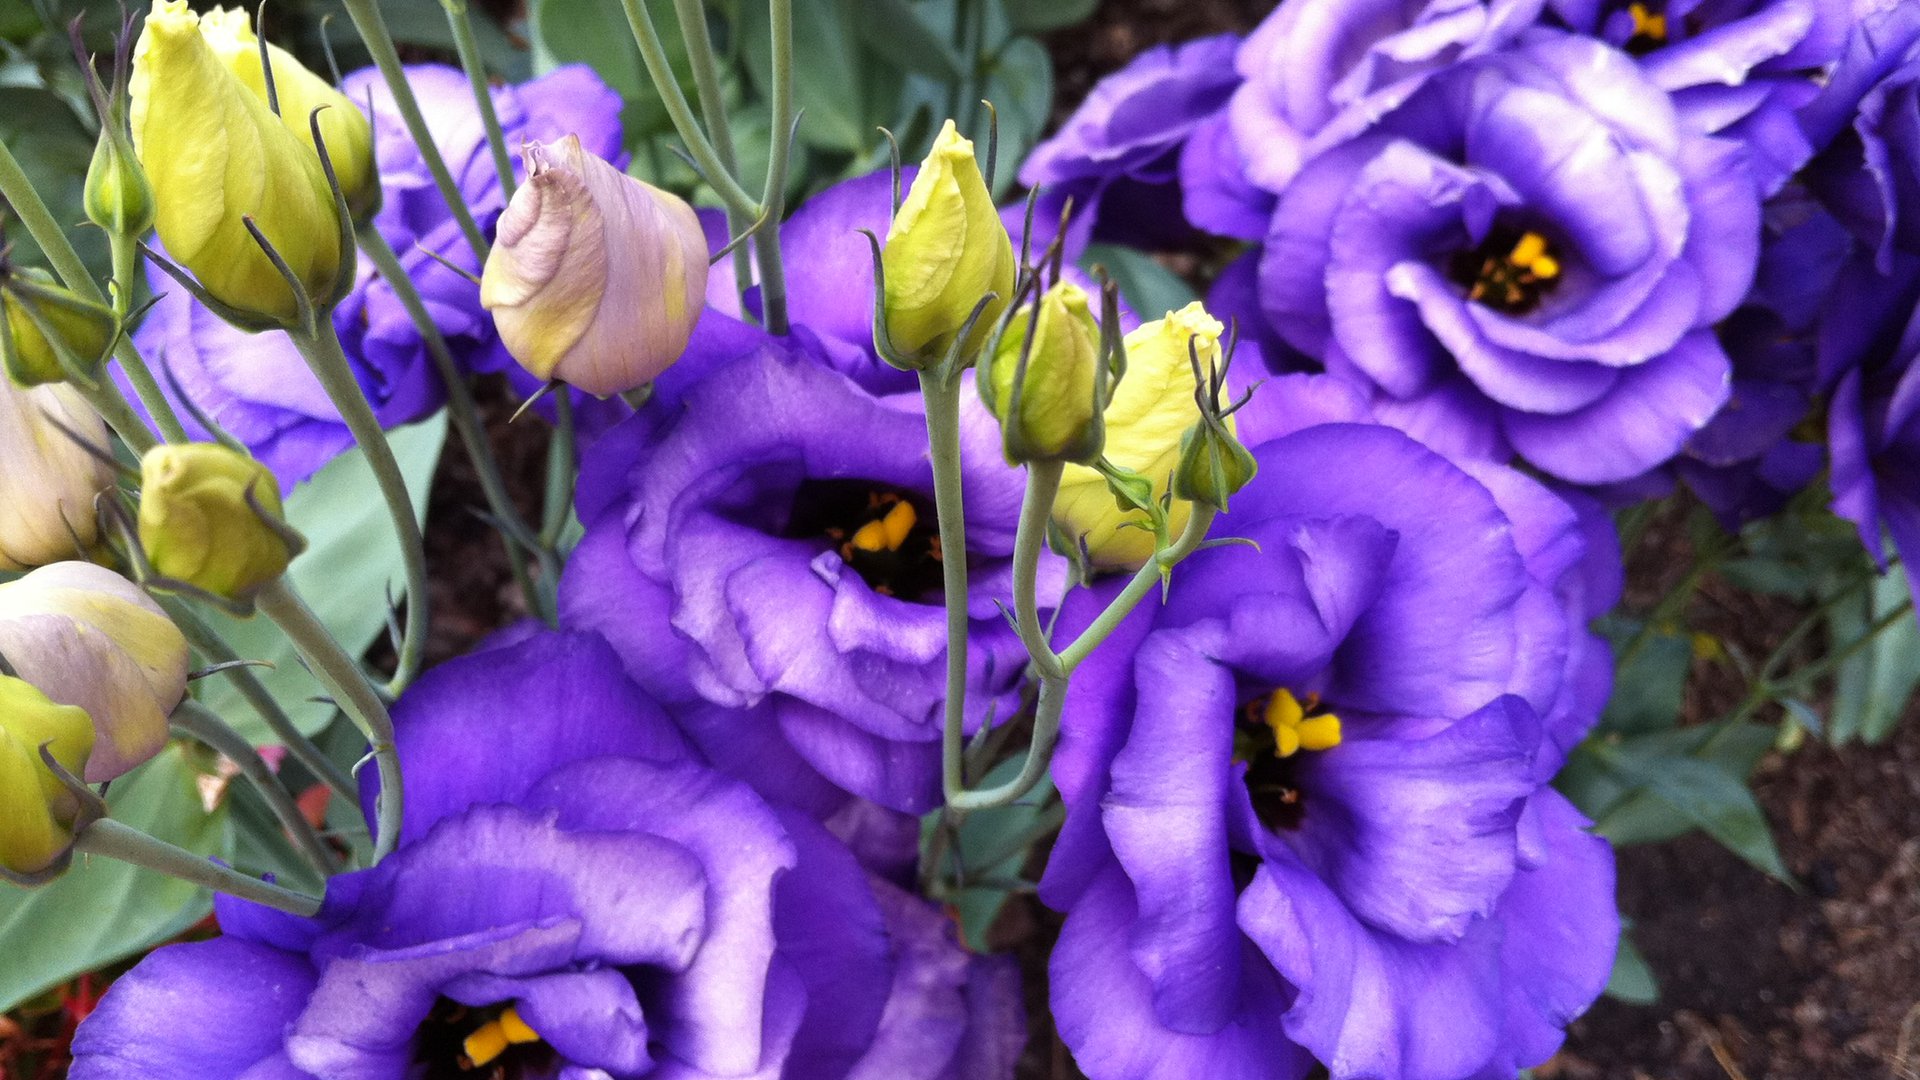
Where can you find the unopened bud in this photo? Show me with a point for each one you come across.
(1150, 412)
(1055, 415)
(87, 637)
(216, 155)
(946, 250)
(47, 479)
(211, 517)
(37, 811)
(1213, 465)
(117, 196)
(40, 313)
(596, 278)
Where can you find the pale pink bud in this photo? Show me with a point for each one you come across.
(596, 279)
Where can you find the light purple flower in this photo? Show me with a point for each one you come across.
(564, 856)
(1531, 250)
(1868, 122)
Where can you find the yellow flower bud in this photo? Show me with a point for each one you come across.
(348, 135)
(36, 809)
(1057, 417)
(87, 637)
(47, 480)
(214, 154)
(946, 249)
(596, 279)
(1150, 411)
(197, 526)
(86, 329)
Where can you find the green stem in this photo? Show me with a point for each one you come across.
(215, 650)
(372, 27)
(129, 845)
(1144, 581)
(199, 722)
(461, 410)
(46, 231)
(943, 440)
(766, 245)
(461, 23)
(126, 268)
(106, 399)
(560, 471)
(660, 70)
(713, 109)
(329, 363)
(342, 678)
(1043, 484)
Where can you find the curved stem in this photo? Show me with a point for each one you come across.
(348, 685)
(461, 23)
(216, 650)
(1144, 581)
(943, 440)
(199, 722)
(766, 244)
(329, 363)
(372, 27)
(660, 70)
(129, 845)
(461, 410)
(1043, 484)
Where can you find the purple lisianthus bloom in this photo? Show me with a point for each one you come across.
(1307, 818)
(589, 903)
(1739, 68)
(1531, 248)
(257, 387)
(1118, 156)
(733, 558)
(1868, 121)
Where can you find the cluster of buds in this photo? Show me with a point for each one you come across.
(596, 279)
(247, 151)
(1050, 369)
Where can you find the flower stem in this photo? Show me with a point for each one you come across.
(1043, 484)
(713, 109)
(129, 845)
(660, 70)
(199, 722)
(766, 244)
(372, 27)
(348, 685)
(1144, 581)
(460, 410)
(943, 440)
(126, 268)
(461, 23)
(216, 650)
(329, 363)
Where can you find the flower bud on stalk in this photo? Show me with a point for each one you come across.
(348, 135)
(215, 155)
(946, 249)
(1053, 414)
(596, 279)
(117, 196)
(1151, 411)
(87, 637)
(211, 518)
(38, 312)
(37, 811)
(47, 479)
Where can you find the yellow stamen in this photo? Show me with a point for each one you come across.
(1531, 254)
(486, 1044)
(870, 537)
(1294, 730)
(1320, 732)
(516, 1029)
(1646, 24)
(898, 523)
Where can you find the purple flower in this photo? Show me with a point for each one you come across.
(728, 558)
(1738, 68)
(591, 901)
(1531, 248)
(256, 385)
(1868, 119)
(1251, 885)
(1118, 156)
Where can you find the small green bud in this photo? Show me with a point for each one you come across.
(1213, 465)
(37, 811)
(1055, 414)
(117, 196)
(36, 305)
(198, 527)
(946, 250)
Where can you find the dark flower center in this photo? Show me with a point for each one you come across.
(1269, 733)
(1649, 28)
(456, 1042)
(1509, 271)
(889, 536)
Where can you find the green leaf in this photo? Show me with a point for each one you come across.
(1632, 980)
(1149, 288)
(829, 82)
(596, 33)
(103, 911)
(897, 33)
(1651, 684)
(1872, 688)
(1040, 16)
(1020, 85)
(345, 574)
(1708, 794)
(993, 847)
